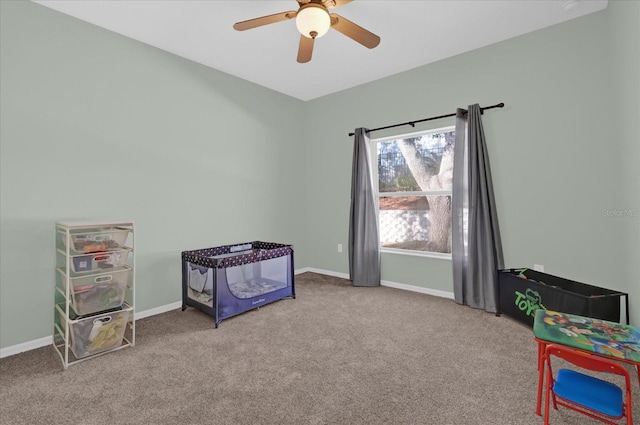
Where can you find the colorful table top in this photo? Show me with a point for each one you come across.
(599, 336)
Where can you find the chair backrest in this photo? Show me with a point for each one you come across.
(586, 360)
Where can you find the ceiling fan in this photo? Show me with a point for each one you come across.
(314, 20)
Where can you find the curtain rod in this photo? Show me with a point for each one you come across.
(413, 123)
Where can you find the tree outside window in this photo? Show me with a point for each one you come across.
(415, 174)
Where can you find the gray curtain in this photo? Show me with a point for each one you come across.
(476, 248)
(364, 244)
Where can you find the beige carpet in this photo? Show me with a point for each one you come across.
(334, 355)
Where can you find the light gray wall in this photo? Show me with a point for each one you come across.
(563, 151)
(95, 125)
(624, 22)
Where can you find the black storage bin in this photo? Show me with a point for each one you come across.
(523, 291)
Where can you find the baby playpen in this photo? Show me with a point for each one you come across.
(228, 280)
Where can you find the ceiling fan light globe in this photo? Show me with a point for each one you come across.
(313, 18)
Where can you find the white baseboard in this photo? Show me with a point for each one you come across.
(325, 272)
(26, 346)
(403, 286)
(158, 310)
(420, 289)
(48, 340)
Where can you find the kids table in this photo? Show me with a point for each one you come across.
(612, 340)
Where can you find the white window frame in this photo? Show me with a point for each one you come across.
(377, 194)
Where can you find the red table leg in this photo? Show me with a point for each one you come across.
(541, 347)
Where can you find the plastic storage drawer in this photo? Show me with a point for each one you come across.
(93, 293)
(96, 240)
(100, 261)
(97, 333)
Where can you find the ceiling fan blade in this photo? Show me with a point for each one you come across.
(305, 49)
(332, 4)
(354, 32)
(264, 20)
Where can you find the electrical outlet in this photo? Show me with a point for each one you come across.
(538, 267)
(339, 247)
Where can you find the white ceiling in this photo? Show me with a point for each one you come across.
(413, 33)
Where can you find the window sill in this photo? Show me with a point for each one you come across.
(415, 253)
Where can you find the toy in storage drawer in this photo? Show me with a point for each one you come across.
(98, 292)
(96, 240)
(100, 261)
(97, 333)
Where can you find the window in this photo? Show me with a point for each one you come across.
(415, 174)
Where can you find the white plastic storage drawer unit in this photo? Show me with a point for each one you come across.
(94, 289)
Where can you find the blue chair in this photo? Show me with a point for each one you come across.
(591, 396)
